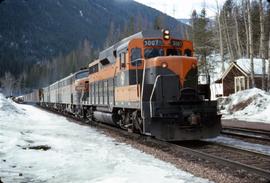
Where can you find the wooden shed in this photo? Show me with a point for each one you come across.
(237, 76)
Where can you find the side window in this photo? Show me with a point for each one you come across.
(136, 56)
(123, 59)
(93, 69)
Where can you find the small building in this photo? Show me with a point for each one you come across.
(237, 76)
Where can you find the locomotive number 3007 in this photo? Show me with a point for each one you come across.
(153, 42)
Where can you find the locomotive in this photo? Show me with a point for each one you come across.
(146, 83)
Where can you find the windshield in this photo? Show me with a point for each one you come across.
(171, 52)
(153, 52)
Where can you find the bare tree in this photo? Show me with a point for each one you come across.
(244, 5)
(8, 82)
(268, 64)
(194, 18)
(221, 47)
(262, 45)
(228, 38)
(239, 50)
(250, 44)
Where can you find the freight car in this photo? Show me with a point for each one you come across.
(146, 83)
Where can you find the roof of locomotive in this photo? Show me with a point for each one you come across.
(109, 54)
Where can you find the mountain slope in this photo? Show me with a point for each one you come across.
(33, 30)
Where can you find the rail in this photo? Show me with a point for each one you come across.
(247, 133)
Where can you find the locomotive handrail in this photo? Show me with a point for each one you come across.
(143, 79)
(152, 93)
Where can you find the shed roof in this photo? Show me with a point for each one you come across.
(245, 65)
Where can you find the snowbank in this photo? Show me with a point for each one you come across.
(73, 153)
(249, 105)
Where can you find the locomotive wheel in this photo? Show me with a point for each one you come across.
(89, 114)
(137, 122)
(125, 122)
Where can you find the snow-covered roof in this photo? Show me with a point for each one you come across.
(245, 65)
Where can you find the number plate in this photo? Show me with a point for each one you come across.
(177, 43)
(153, 42)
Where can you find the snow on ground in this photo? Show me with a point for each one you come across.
(77, 153)
(248, 105)
(241, 144)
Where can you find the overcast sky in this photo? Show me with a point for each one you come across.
(182, 8)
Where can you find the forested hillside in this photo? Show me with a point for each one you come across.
(64, 35)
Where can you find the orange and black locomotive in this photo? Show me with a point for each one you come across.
(146, 83)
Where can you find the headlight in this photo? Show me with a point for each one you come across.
(164, 65)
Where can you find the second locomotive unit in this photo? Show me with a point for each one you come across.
(146, 83)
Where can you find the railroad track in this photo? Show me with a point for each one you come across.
(230, 156)
(227, 156)
(247, 133)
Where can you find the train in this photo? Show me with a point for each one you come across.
(146, 83)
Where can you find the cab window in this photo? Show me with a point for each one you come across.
(153, 52)
(171, 52)
(136, 56)
(188, 52)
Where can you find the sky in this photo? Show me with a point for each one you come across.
(182, 8)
